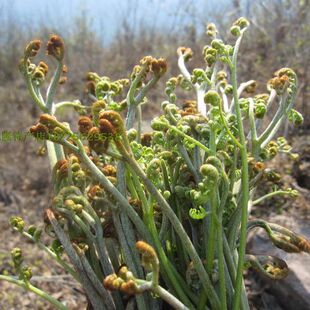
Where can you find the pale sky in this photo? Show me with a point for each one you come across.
(107, 15)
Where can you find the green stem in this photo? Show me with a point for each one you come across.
(221, 266)
(29, 287)
(146, 88)
(241, 88)
(170, 299)
(255, 144)
(212, 144)
(189, 138)
(244, 179)
(166, 209)
(127, 234)
(101, 247)
(220, 242)
(224, 122)
(269, 195)
(134, 217)
(165, 264)
(149, 217)
(76, 104)
(131, 102)
(188, 161)
(139, 126)
(97, 284)
(260, 223)
(212, 233)
(52, 156)
(90, 290)
(276, 122)
(53, 255)
(39, 102)
(52, 87)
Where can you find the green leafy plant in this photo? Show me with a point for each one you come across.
(179, 196)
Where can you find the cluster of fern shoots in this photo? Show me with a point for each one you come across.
(143, 220)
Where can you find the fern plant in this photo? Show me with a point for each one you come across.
(149, 219)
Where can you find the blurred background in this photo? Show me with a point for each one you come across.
(110, 37)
